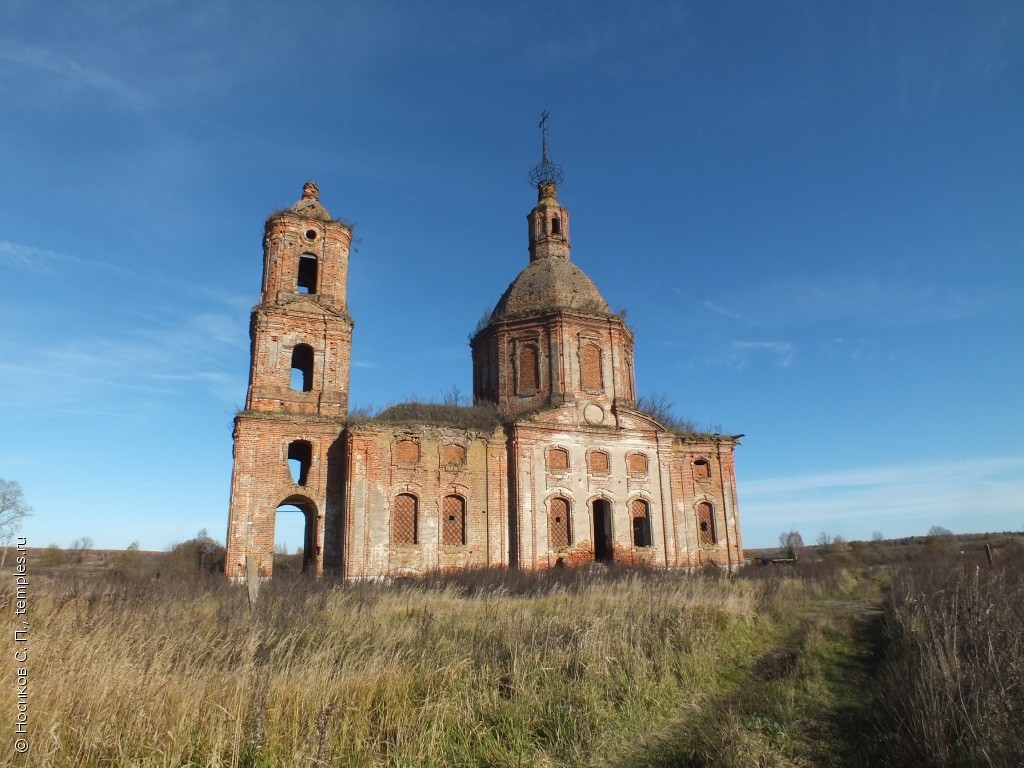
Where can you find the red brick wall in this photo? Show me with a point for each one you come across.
(262, 481)
(377, 477)
(590, 367)
(286, 318)
(285, 240)
(581, 358)
(276, 414)
(712, 484)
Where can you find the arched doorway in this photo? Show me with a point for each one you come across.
(601, 510)
(295, 536)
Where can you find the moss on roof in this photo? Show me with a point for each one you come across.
(550, 284)
(484, 418)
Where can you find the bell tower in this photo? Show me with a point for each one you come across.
(300, 346)
(301, 332)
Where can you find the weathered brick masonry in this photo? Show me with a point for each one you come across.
(569, 471)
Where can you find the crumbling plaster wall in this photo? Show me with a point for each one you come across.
(377, 475)
(537, 484)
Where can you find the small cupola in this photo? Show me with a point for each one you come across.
(549, 221)
(309, 204)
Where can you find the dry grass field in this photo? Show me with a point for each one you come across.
(779, 667)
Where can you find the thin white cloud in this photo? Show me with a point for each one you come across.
(70, 71)
(853, 349)
(871, 301)
(976, 493)
(103, 373)
(42, 261)
(887, 475)
(781, 352)
(925, 65)
(32, 259)
(723, 311)
(599, 31)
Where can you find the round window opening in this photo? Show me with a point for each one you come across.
(311, 234)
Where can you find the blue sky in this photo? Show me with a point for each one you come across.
(813, 212)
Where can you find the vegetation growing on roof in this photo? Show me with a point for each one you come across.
(481, 417)
(622, 314)
(662, 409)
(449, 411)
(483, 322)
(349, 225)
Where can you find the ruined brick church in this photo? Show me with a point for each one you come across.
(561, 468)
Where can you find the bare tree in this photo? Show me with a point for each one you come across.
(793, 544)
(13, 510)
(80, 547)
(938, 530)
(877, 536)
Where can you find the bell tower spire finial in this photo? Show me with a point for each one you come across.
(545, 172)
(544, 137)
(549, 221)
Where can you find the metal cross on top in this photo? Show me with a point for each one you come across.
(545, 171)
(544, 136)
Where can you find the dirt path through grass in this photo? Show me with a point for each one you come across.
(806, 701)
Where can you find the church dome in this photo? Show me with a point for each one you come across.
(550, 285)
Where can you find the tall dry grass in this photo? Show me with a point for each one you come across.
(493, 669)
(952, 692)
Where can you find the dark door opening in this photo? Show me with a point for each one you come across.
(295, 522)
(602, 511)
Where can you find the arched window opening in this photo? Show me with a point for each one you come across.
(407, 452)
(453, 523)
(556, 225)
(404, 519)
(306, 282)
(300, 456)
(702, 469)
(706, 532)
(557, 458)
(641, 513)
(636, 464)
(528, 369)
(453, 455)
(294, 538)
(604, 550)
(559, 531)
(597, 461)
(302, 368)
(590, 367)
